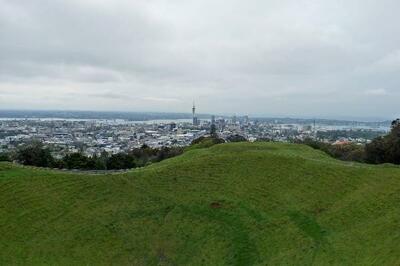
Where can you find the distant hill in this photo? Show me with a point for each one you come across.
(231, 204)
(132, 116)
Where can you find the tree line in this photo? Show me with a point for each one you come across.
(383, 149)
(36, 154)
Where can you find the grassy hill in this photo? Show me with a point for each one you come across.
(231, 204)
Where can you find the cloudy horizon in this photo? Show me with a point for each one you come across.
(269, 58)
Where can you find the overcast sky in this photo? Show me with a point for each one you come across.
(338, 58)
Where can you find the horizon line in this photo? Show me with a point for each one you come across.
(254, 116)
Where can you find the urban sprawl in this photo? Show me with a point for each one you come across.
(94, 136)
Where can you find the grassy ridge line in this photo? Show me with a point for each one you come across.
(231, 204)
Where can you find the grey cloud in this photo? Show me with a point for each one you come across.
(108, 95)
(257, 57)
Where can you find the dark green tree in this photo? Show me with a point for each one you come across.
(395, 123)
(5, 157)
(236, 138)
(34, 154)
(385, 149)
(101, 161)
(76, 161)
(120, 161)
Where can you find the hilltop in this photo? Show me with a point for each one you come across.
(230, 204)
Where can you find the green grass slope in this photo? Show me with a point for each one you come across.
(231, 204)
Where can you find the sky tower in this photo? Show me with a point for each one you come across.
(195, 121)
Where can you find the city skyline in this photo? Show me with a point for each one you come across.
(54, 113)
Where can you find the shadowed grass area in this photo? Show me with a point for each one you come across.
(230, 204)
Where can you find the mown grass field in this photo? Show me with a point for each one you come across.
(231, 204)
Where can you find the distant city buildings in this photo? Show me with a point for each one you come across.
(94, 136)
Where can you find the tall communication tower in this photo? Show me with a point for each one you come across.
(195, 120)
